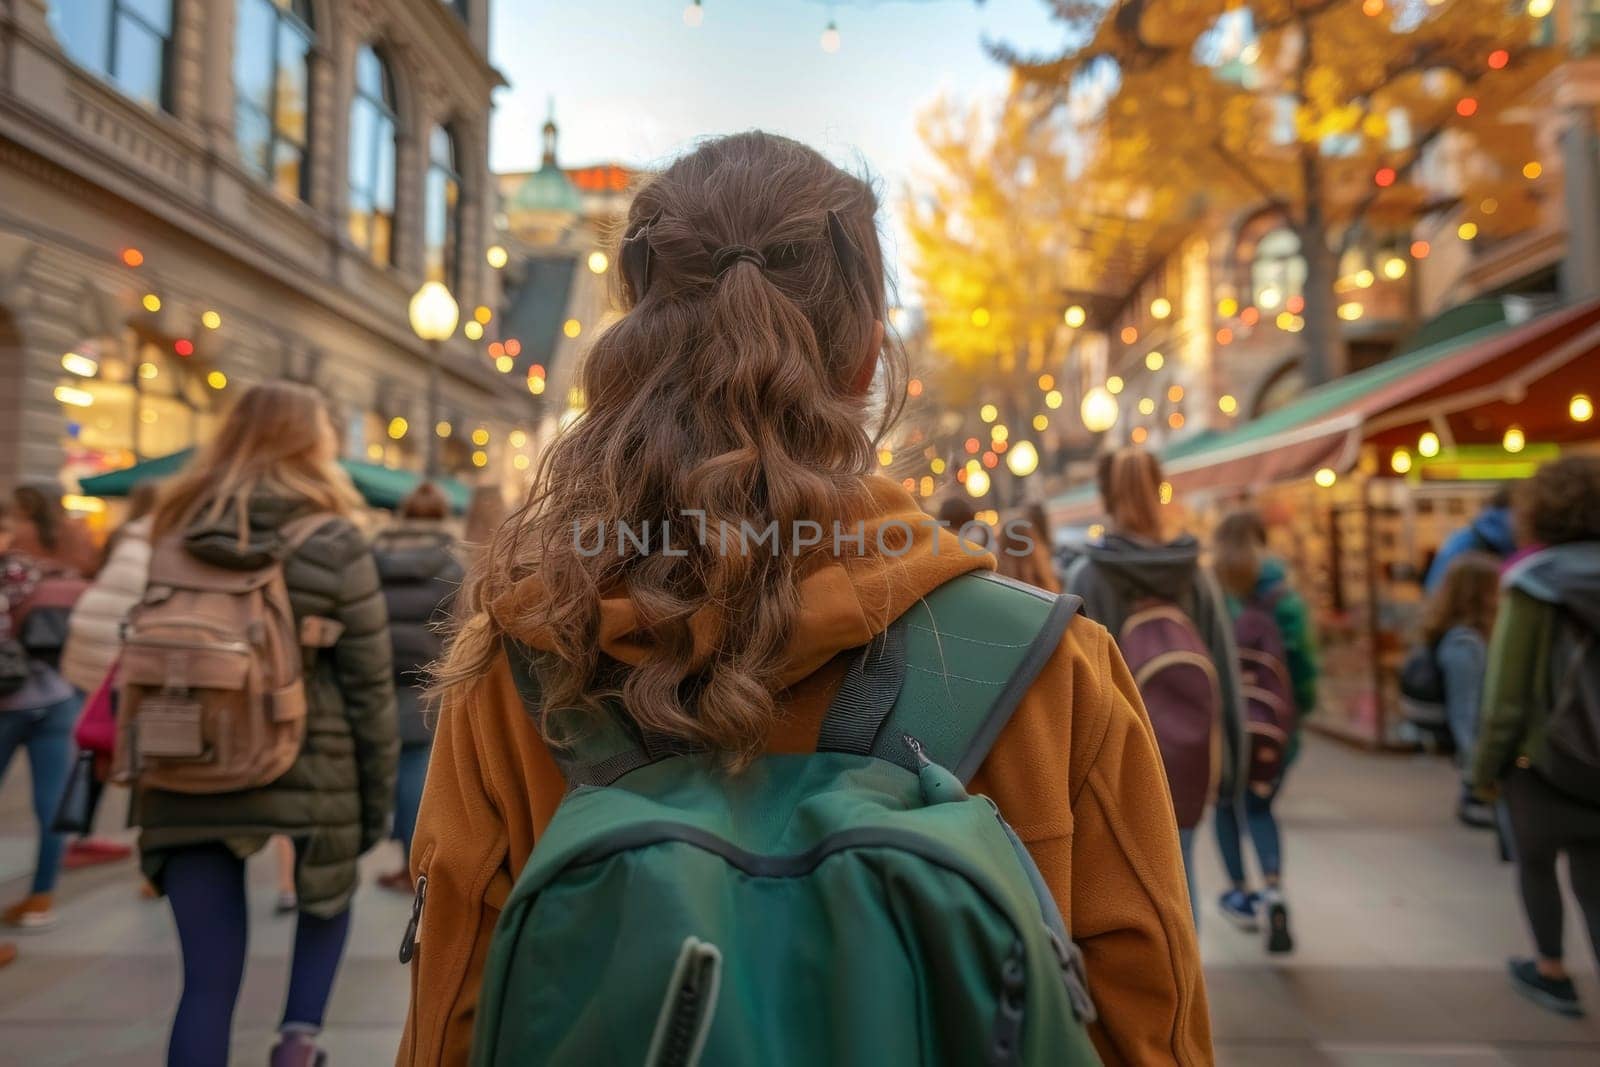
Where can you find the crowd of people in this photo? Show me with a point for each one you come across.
(267, 666)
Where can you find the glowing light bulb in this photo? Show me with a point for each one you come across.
(1540, 8)
(1394, 268)
(598, 262)
(1428, 445)
(1581, 408)
(497, 256)
(1160, 307)
(1114, 384)
(831, 39)
(1075, 316)
(1325, 477)
(1400, 462)
(1515, 440)
(1022, 459)
(988, 413)
(1227, 404)
(398, 427)
(1099, 410)
(1155, 360)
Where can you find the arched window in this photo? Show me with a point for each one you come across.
(128, 42)
(1277, 271)
(373, 122)
(272, 91)
(443, 217)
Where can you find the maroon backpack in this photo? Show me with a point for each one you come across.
(1177, 680)
(1268, 695)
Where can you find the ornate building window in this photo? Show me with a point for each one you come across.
(1277, 270)
(442, 210)
(272, 91)
(374, 119)
(127, 42)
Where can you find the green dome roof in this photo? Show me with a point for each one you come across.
(547, 191)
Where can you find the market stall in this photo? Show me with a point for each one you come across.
(1363, 478)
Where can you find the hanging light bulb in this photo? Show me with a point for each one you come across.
(831, 40)
(1515, 440)
(1099, 410)
(1400, 462)
(694, 14)
(1428, 445)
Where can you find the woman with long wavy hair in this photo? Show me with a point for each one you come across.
(273, 463)
(736, 388)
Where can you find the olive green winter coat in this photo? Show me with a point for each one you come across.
(335, 802)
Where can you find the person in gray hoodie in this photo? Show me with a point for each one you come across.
(1546, 649)
(1135, 564)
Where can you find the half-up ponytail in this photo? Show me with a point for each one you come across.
(752, 283)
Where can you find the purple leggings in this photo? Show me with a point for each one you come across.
(206, 887)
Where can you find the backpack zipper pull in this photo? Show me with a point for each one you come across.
(408, 943)
(939, 786)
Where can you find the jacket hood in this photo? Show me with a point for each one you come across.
(1567, 575)
(1273, 573)
(1494, 526)
(217, 541)
(847, 597)
(1137, 569)
(416, 552)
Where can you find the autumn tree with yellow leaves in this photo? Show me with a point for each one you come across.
(990, 249)
(1349, 118)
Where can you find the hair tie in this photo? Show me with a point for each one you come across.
(723, 259)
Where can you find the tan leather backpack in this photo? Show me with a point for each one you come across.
(212, 685)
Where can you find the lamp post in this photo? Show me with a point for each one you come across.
(433, 318)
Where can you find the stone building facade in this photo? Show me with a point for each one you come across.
(196, 195)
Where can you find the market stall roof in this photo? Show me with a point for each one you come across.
(1326, 426)
(381, 487)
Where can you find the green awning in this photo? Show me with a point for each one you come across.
(381, 487)
(1325, 426)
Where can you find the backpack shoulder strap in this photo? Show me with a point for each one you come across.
(602, 747)
(950, 672)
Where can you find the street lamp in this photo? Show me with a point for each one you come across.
(433, 313)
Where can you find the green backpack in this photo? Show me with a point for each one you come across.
(852, 906)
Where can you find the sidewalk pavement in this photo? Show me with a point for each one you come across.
(1403, 921)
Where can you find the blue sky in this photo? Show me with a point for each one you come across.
(633, 83)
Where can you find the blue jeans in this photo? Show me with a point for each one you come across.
(1186, 847)
(205, 885)
(47, 734)
(409, 776)
(1263, 827)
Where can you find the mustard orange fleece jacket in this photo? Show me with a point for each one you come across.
(1076, 772)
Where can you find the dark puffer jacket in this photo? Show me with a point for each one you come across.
(420, 573)
(336, 800)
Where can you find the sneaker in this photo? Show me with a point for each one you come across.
(1239, 908)
(31, 913)
(89, 852)
(1279, 940)
(1553, 994)
(297, 1050)
(286, 903)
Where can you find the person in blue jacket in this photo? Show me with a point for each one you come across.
(1489, 531)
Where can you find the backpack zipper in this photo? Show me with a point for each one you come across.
(1005, 1039)
(691, 1001)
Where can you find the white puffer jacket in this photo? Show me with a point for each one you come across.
(95, 635)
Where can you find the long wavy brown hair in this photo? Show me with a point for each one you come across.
(732, 385)
(277, 438)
